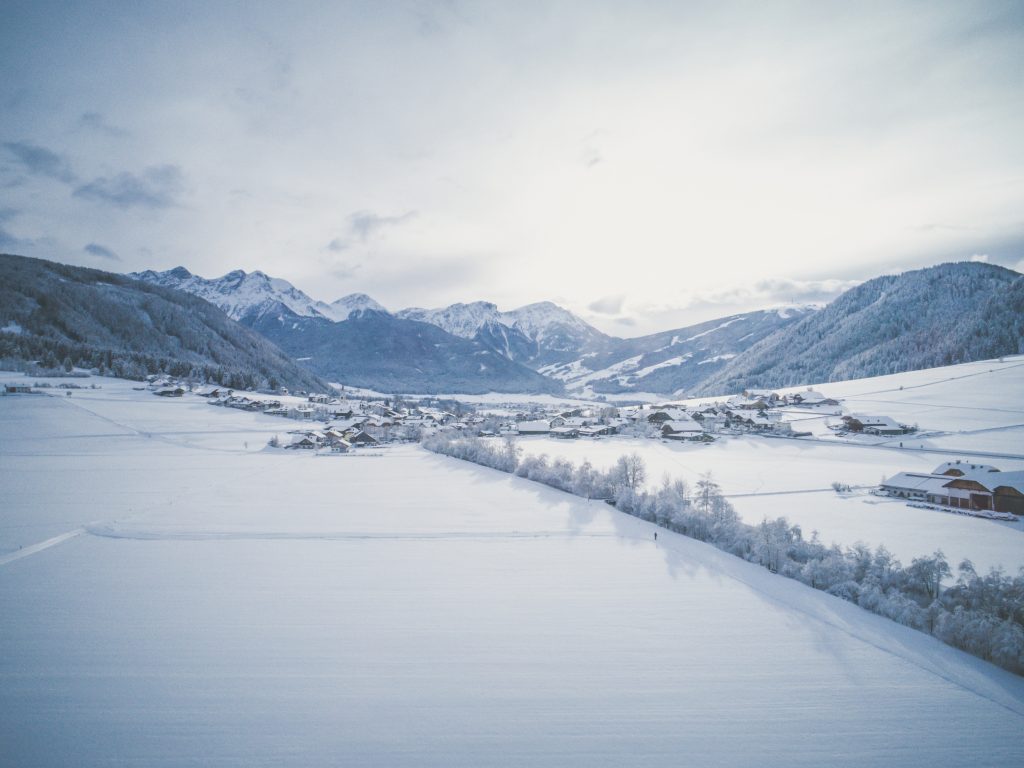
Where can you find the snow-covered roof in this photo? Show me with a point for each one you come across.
(538, 425)
(687, 425)
(916, 481)
(879, 422)
(991, 480)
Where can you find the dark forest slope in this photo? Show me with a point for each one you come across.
(55, 313)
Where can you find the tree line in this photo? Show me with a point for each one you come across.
(980, 614)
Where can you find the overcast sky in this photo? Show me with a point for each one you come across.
(645, 164)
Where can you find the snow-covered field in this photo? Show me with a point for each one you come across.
(205, 602)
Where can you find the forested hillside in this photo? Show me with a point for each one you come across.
(951, 313)
(60, 315)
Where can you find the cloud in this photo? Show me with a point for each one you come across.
(94, 249)
(979, 257)
(940, 227)
(94, 121)
(609, 305)
(8, 240)
(777, 290)
(41, 161)
(364, 226)
(346, 271)
(156, 187)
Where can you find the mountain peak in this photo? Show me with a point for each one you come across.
(346, 306)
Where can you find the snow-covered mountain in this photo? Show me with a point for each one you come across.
(355, 340)
(945, 314)
(536, 334)
(672, 362)
(253, 295)
(949, 313)
(343, 308)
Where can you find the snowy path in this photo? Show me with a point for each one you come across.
(34, 548)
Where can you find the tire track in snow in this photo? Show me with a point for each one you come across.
(110, 532)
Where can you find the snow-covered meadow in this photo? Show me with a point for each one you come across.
(205, 602)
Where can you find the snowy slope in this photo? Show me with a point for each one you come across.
(232, 607)
(676, 361)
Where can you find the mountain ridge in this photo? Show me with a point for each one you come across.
(941, 315)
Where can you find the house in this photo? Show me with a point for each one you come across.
(985, 489)
(712, 421)
(169, 392)
(771, 398)
(874, 425)
(916, 486)
(361, 438)
(598, 430)
(748, 403)
(18, 389)
(566, 433)
(811, 397)
(306, 442)
(663, 415)
(683, 429)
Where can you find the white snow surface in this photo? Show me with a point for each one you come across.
(203, 602)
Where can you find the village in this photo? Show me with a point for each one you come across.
(348, 423)
(343, 423)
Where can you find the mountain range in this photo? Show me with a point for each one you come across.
(474, 347)
(266, 328)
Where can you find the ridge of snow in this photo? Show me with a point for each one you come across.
(535, 321)
(239, 293)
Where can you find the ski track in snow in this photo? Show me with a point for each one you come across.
(42, 545)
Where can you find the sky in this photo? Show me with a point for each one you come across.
(644, 164)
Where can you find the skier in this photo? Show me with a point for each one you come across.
(655, 535)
